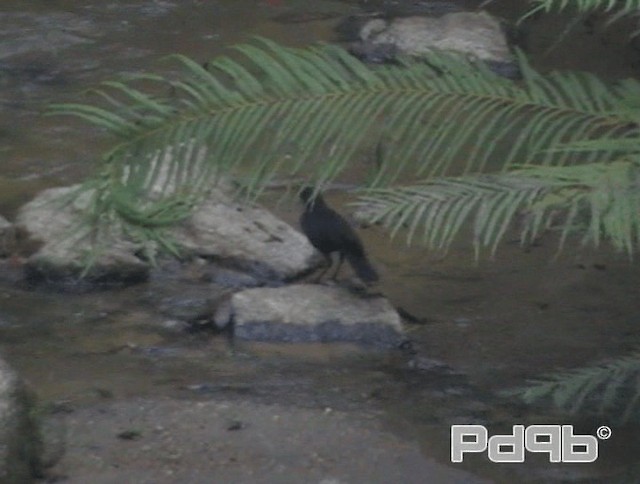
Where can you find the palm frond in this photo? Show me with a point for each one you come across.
(600, 200)
(615, 9)
(583, 6)
(306, 112)
(440, 209)
(610, 389)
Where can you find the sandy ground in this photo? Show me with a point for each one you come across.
(179, 441)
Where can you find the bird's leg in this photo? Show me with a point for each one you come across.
(329, 263)
(340, 261)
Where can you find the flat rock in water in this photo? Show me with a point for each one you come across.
(315, 313)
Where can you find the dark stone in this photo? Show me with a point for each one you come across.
(326, 332)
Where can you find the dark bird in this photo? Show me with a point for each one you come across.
(329, 232)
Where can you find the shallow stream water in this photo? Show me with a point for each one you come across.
(495, 323)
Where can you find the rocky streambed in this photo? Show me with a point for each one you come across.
(144, 383)
(196, 369)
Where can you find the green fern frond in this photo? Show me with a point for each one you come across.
(602, 200)
(599, 200)
(583, 6)
(608, 389)
(440, 209)
(615, 9)
(306, 112)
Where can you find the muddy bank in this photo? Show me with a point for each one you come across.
(166, 441)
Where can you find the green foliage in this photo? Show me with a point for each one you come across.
(561, 149)
(615, 9)
(598, 200)
(440, 208)
(546, 6)
(306, 113)
(610, 389)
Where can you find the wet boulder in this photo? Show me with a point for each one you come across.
(54, 219)
(245, 237)
(477, 35)
(314, 313)
(19, 443)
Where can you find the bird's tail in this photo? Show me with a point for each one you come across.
(362, 267)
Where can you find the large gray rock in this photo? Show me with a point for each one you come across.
(241, 236)
(314, 313)
(19, 444)
(246, 236)
(477, 35)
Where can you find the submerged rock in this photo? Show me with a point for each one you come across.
(303, 17)
(7, 237)
(25, 35)
(314, 313)
(248, 238)
(476, 35)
